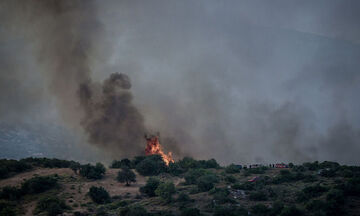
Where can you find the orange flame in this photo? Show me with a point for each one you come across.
(153, 147)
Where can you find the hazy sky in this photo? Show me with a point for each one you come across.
(241, 81)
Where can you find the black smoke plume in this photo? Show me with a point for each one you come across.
(67, 37)
(111, 120)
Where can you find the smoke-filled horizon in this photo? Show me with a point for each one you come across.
(239, 81)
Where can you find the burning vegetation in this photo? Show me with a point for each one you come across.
(153, 147)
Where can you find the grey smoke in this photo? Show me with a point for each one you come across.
(241, 81)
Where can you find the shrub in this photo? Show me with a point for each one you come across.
(329, 164)
(150, 187)
(291, 211)
(193, 174)
(328, 173)
(230, 179)
(206, 182)
(165, 190)
(259, 170)
(232, 168)
(92, 172)
(51, 205)
(352, 187)
(298, 168)
(230, 211)
(99, 195)
(7, 167)
(212, 163)
(10, 193)
(183, 197)
(126, 175)
(175, 169)
(7, 208)
(188, 163)
(258, 196)
(260, 210)
(133, 211)
(287, 176)
(276, 208)
(151, 165)
(315, 205)
(312, 166)
(221, 195)
(190, 212)
(314, 191)
(335, 202)
(244, 186)
(122, 163)
(38, 184)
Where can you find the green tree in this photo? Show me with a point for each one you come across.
(150, 187)
(165, 190)
(151, 165)
(126, 175)
(92, 172)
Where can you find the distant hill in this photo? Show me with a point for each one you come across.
(24, 140)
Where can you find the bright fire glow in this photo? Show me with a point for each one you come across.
(153, 147)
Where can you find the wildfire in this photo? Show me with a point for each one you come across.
(153, 147)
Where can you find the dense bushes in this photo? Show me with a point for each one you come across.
(150, 187)
(190, 212)
(206, 182)
(151, 165)
(38, 184)
(230, 211)
(7, 208)
(7, 167)
(183, 198)
(126, 175)
(165, 190)
(92, 172)
(221, 195)
(10, 193)
(311, 192)
(232, 168)
(193, 174)
(258, 196)
(122, 163)
(288, 176)
(189, 163)
(99, 195)
(202, 178)
(51, 205)
(34, 185)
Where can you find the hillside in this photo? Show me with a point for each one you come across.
(187, 187)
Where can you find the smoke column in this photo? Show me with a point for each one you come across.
(66, 34)
(239, 81)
